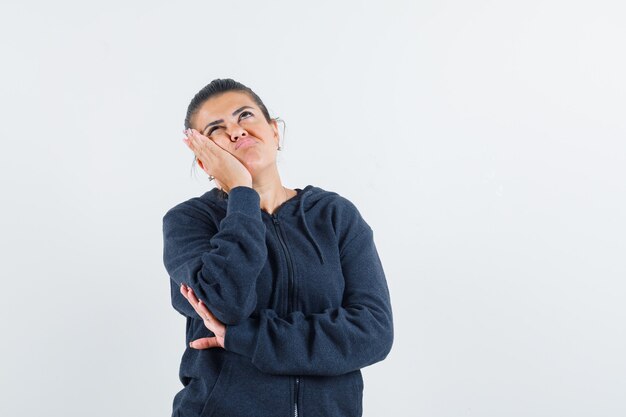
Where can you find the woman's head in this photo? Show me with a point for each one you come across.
(235, 118)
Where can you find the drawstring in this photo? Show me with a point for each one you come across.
(306, 227)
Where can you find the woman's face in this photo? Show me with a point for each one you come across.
(235, 123)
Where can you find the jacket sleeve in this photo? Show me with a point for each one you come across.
(221, 266)
(332, 342)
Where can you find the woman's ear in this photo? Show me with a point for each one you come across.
(274, 124)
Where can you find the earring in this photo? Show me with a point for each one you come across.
(278, 147)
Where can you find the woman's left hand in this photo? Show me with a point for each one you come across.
(210, 321)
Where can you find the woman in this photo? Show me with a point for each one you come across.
(283, 289)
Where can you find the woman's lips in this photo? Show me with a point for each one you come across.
(245, 142)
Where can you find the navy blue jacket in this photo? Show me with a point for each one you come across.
(303, 296)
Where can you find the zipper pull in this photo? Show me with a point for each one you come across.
(274, 218)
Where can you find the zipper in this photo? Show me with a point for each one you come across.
(291, 301)
(296, 402)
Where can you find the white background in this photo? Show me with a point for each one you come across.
(483, 141)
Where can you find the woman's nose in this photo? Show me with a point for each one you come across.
(236, 133)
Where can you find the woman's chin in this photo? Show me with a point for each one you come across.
(253, 162)
(256, 167)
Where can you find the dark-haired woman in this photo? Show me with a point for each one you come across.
(283, 289)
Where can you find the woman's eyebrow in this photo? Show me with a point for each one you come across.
(235, 113)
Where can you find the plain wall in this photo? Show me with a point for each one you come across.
(483, 141)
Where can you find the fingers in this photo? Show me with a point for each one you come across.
(187, 138)
(204, 148)
(191, 137)
(196, 303)
(204, 312)
(207, 313)
(202, 145)
(210, 321)
(204, 343)
(187, 292)
(191, 140)
(195, 140)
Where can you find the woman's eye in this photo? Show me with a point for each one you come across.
(241, 116)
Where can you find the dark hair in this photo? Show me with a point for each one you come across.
(215, 88)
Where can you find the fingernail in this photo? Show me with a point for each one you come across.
(190, 344)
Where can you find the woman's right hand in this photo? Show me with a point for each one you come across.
(228, 171)
(210, 321)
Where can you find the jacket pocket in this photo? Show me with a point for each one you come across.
(337, 396)
(358, 382)
(247, 391)
(217, 392)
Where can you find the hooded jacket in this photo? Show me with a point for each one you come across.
(301, 291)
